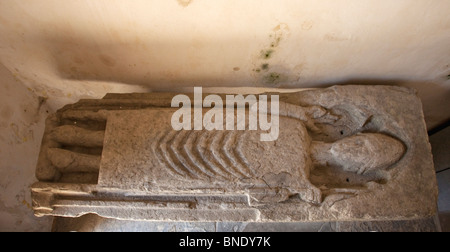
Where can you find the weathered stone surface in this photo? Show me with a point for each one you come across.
(343, 153)
(95, 223)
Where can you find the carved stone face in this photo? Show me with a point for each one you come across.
(367, 152)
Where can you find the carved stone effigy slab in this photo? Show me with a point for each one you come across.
(342, 153)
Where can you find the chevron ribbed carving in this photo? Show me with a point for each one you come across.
(203, 154)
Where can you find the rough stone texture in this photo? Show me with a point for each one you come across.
(343, 153)
(95, 223)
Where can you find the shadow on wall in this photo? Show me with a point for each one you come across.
(164, 65)
(174, 66)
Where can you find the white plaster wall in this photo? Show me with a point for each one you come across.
(66, 50)
(22, 116)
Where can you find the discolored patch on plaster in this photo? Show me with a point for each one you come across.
(184, 3)
(277, 75)
(276, 36)
(266, 54)
(236, 68)
(25, 203)
(279, 32)
(107, 60)
(21, 136)
(275, 42)
(273, 78)
(265, 66)
(281, 27)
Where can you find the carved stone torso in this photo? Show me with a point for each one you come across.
(228, 160)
